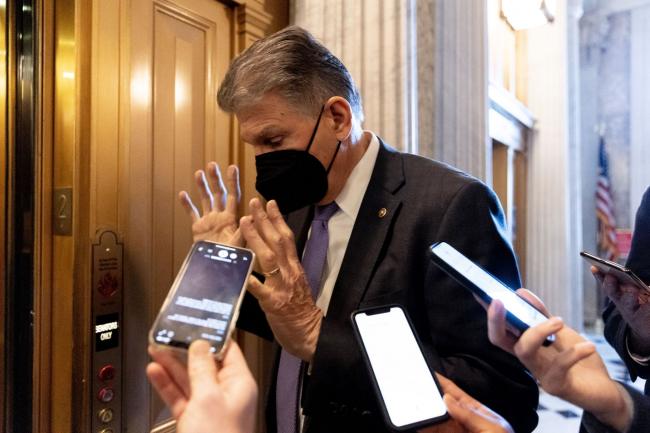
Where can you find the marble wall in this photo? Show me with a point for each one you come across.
(614, 66)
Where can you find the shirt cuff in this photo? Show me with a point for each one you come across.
(641, 360)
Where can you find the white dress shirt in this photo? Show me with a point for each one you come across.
(341, 223)
(339, 228)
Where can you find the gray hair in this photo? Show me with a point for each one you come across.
(294, 64)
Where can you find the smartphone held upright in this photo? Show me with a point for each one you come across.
(407, 390)
(204, 300)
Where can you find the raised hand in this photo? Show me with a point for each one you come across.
(285, 296)
(218, 220)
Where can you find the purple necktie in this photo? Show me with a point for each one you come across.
(288, 380)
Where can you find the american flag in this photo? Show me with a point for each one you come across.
(605, 208)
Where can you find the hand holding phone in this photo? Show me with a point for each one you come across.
(621, 273)
(520, 315)
(408, 392)
(205, 297)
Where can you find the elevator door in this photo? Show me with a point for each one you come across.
(154, 122)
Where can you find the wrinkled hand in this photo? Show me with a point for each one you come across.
(205, 397)
(219, 205)
(569, 368)
(634, 307)
(285, 296)
(468, 414)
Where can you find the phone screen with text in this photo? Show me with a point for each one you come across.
(207, 291)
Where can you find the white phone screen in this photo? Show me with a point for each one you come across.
(491, 286)
(405, 382)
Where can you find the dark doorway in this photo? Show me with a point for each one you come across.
(19, 214)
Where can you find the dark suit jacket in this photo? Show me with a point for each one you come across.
(639, 261)
(640, 421)
(386, 261)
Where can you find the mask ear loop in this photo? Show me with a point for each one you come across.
(338, 146)
(313, 134)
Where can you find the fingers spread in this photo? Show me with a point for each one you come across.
(267, 231)
(207, 202)
(234, 193)
(286, 235)
(255, 242)
(216, 183)
(167, 389)
(189, 207)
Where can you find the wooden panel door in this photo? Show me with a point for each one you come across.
(180, 49)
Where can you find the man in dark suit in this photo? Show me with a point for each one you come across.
(298, 107)
(627, 314)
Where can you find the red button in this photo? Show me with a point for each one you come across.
(105, 394)
(106, 373)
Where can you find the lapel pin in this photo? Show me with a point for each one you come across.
(382, 212)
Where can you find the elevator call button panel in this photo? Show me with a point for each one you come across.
(107, 308)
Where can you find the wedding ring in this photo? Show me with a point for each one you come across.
(271, 273)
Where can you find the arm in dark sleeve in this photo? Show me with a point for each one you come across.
(474, 224)
(616, 331)
(640, 419)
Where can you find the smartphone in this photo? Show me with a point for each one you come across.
(204, 300)
(621, 273)
(520, 315)
(408, 392)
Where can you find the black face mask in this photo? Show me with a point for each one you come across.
(293, 178)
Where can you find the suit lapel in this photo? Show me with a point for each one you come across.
(376, 215)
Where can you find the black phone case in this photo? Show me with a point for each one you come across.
(513, 320)
(375, 384)
(621, 273)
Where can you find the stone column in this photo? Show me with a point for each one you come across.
(639, 106)
(421, 66)
(553, 267)
(452, 83)
(374, 40)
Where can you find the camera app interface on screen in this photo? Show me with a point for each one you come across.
(406, 384)
(493, 287)
(203, 304)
